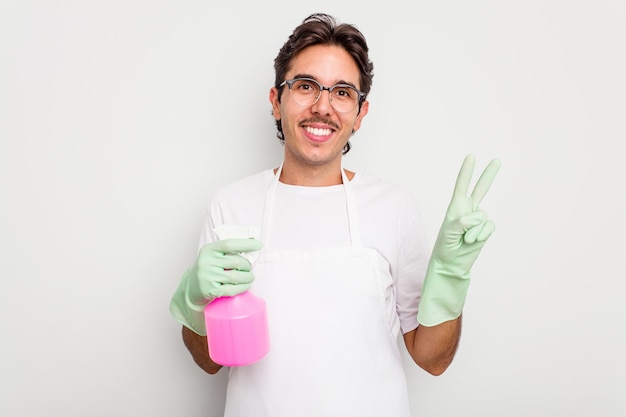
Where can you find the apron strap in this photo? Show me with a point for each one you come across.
(269, 208)
(355, 231)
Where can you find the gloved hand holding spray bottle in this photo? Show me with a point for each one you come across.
(213, 300)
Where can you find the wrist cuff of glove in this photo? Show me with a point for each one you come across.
(443, 298)
(185, 312)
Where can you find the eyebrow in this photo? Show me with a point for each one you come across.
(313, 78)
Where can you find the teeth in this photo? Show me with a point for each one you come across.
(318, 132)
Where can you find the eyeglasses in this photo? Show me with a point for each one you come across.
(306, 91)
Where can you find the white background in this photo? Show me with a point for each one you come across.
(119, 118)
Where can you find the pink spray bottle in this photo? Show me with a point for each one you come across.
(237, 329)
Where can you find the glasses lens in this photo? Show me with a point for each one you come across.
(344, 98)
(305, 92)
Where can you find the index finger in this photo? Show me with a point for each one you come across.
(484, 182)
(465, 176)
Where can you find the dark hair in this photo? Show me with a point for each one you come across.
(323, 29)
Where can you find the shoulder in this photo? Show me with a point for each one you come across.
(375, 190)
(245, 188)
(238, 203)
(387, 205)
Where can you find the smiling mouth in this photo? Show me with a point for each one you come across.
(318, 131)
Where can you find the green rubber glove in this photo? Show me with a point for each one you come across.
(219, 271)
(462, 235)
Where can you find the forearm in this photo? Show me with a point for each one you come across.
(433, 348)
(199, 349)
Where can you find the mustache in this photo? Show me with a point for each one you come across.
(322, 120)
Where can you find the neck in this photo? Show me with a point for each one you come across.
(322, 176)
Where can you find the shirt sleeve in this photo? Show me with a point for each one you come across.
(413, 257)
(206, 236)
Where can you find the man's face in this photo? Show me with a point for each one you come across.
(315, 135)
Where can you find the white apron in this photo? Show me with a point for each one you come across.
(333, 352)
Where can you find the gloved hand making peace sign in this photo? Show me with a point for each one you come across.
(462, 235)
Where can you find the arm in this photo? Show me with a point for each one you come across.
(433, 348)
(464, 231)
(199, 349)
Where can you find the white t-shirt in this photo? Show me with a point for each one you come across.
(316, 217)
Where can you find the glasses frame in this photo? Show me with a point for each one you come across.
(330, 89)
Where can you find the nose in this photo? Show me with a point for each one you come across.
(322, 104)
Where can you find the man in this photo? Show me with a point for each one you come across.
(340, 258)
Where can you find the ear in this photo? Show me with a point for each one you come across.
(359, 117)
(275, 103)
